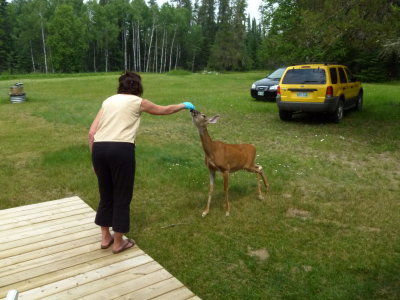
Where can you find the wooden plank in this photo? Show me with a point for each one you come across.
(154, 290)
(107, 282)
(18, 232)
(46, 251)
(23, 224)
(52, 231)
(177, 294)
(37, 206)
(30, 244)
(87, 263)
(42, 207)
(14, 218)
(37, 265)
(129, 286)
(73, 285)
(40, 214)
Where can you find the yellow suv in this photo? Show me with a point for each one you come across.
(322, 88)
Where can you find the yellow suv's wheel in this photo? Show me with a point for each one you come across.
(359, 104)
(337, 115)
(285, 115)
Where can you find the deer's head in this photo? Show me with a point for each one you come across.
(201, 121)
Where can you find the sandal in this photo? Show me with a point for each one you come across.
(129, 244)
(108, 245)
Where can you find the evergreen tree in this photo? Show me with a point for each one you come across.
(206, 19)
(242, 59)
(229, 49)
(5, 37)
(67, 40)
(253, 41)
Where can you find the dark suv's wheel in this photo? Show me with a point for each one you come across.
(337, 115)
(359, 104)
(285, 115)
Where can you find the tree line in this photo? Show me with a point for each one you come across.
(108, 35)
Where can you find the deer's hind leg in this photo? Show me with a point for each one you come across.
(260, 173)
(210, 191)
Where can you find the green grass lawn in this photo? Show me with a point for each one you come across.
(328, 229)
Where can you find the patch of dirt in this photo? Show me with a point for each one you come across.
(369, 229)
(297, 213)
(261, 254)
(307, 268)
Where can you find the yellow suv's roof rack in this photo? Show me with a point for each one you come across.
(317, 63)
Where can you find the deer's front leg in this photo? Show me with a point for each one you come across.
(226, 186)
(210, 191)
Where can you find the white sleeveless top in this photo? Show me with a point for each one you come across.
(120, 119)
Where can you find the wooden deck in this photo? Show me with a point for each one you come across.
(51, 250)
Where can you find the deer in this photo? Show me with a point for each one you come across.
(225, 158)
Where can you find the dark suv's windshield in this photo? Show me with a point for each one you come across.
(277, 74)
(305, 76)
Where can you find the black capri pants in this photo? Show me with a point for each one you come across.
(114, 164)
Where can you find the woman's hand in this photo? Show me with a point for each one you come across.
(189, 105)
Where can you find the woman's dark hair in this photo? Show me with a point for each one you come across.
(130, 83)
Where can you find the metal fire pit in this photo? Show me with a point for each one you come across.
(17, 94)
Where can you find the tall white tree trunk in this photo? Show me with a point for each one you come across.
(134, 47)
(170, 54)
(178, 55)
(125, 50)
(194, 56)
(155, 54)
(106, 58)
(151, 41)
(138, 45)
(144, 37)
(165, 53)
(44, 46)
(162, 51)
(33, 59)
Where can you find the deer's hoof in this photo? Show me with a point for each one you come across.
(227, 214)
(261, 197)
(204, 213)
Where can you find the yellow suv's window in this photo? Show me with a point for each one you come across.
(342, 76)
(349, 75)
(333, 73)
(303, 76)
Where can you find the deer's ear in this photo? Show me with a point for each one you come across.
(213, 120)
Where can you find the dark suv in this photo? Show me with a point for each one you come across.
(265, 89)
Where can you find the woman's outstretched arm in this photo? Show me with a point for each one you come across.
(154, 109)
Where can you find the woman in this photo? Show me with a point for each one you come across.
(112, 144)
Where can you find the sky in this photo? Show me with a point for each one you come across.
(252, 7)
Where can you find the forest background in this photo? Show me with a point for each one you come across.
(64, 36)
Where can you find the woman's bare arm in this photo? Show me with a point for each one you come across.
(154, 109)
